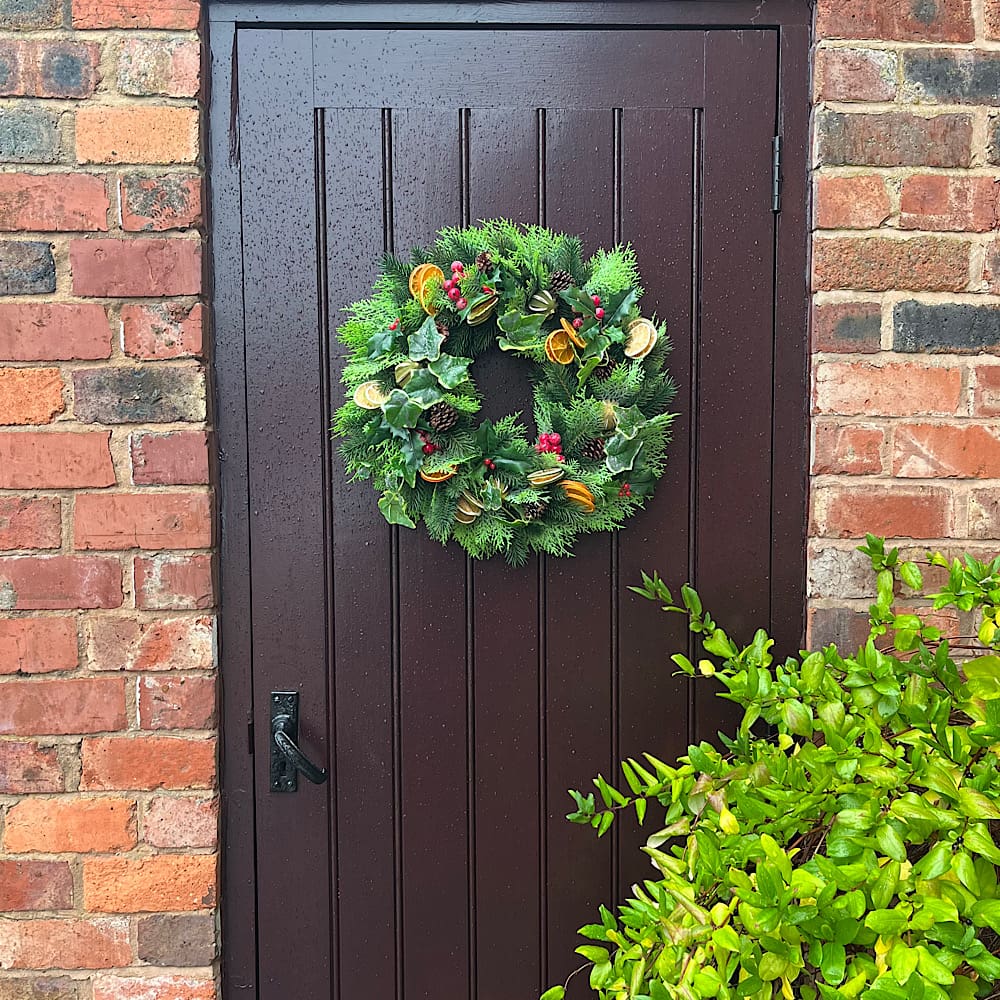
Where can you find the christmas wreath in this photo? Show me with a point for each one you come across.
(601, 393)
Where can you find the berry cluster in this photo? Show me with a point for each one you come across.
(551, 443)
(451, 285)
(625, 491)
(394, 325)
(490, 464)
(429, 446)
(598, 312)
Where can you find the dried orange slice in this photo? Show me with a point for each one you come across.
(579, 494)
(369, 395)
(425, 287)
(542, 477)
(572, 333)
(464, 517)
(417, 276)
(558, 348)
(437, 477)
(642, 337)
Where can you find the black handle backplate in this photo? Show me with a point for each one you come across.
(286, 757)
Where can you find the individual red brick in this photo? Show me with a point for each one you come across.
(940, 202)
(847, 327)
(147, 762)
(52, 203)
(118, 643)
(172, 822)
(153, 988)
(151, 267)
(27, 768)
(32, 67)
(101, 943)
(169, 201)
(177, 458)
(30, 395)
(162, 330)
(891, 511)
(170, 882)
(159, 66)
(857, 388)
(984, 513)
(52, 583)
(848, 449)
(938, 21)
(55, 460)
(57, 707)
(137, 134)
(934, 451)
(986, 394)
(136, 13)
(855, 75)
(35, 885)
(174, 582)
(30, 523)
(37, 645)
(176, 702)
(54, 331)
(859, 202)
(991, 267)
(992, 14)
(142, 520)
(879, 264)
(71, 823)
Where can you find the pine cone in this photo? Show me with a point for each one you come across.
(534, 511)
(605, 371)
(484, 261)
(559, 281)
(442, 329)
(594, 450)
(442, 417)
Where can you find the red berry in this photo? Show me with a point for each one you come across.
(577, 323)
(449, 285)
(454, 294)
(561, 458)
(428, 449)
(599, 313)
(487, 289)
(596, 299)
(555, 438)
(457, 265)
(394, 324)
(461, 304)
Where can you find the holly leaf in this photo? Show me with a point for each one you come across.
(401, 413)
(425, 343)
(619, 308)
(513, 466)
(486, 438)
(424, 388)
(596, 347)
(413, 456)
(578, 300)
(620, 453)
(450, 371)
(586, 368)
(381, 343)
(492, 496)
(394, 510)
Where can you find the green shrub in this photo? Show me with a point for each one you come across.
(840, 845)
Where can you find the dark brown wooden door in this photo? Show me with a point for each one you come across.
(455, 702)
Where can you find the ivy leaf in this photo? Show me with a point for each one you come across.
(401, 413)
(492, 497)
(425, 343)
(381, 343)
(450, 371)
(424, 388)
(521, 326)
(394, 510)
(620, 453)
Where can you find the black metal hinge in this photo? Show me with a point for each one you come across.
(776, 174)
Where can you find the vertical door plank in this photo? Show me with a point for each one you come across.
(735, 364)
(658, 218)
(503, 183)
(286, 420)
(434, 666)
(361, 666)
(580, 689)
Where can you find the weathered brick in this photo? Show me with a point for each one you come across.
(992, 18)
(48, 68)
(838, 573)
(164, 882)
(847, 327)
(138, 134)
(849, 511)
(117, 643)
(894, 139)
(951, 76)
(860, 202)
(71, 823)
(27, 768)
(173, 582)
(52, 583)
(21, 14)
(136, 13)
(176, 702)
(847, 449)
(96, 943)
(40, 988)
(150, 267)
(146, 763)
(879, 264)
(29, 523)
(941, 202)
(945, 328)
(157, 203)
(986, 393)
(142, 520)
(984, 514)
(160, 394)
(53, 202)
(936, 451)
(177, 458)
(30, 395)
(162, 330)
(54, 331)
(153, 988)
(37, 645)
(855, 75)
(57, 707)
(55, 460)
(157, 66)
(175, 822)
(29, 135)
(891, 390)
(181, 939)
(842, 627)
(26, 268)
(35, 885)
(898, 20)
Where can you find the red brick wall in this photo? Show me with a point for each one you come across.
(108, 813)
(906, 275)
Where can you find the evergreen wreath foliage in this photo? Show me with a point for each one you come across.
(601, 393)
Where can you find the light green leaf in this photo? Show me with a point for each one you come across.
(394, 510)
(975, 805)
(401, 412)
(451, 371)
(910, 574)
(425, 342)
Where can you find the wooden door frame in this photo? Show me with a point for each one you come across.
(792, 19)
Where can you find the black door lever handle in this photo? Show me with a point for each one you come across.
(293, 754)
(287, 760)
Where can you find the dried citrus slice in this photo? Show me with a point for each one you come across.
(579, 494)
(465, 518)
(481, 312)
(642, 337)
(417, 277)
(565, 356)
(542, 477)
(572, 333)
(369, 395)
(425, 287)
(439, 476)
